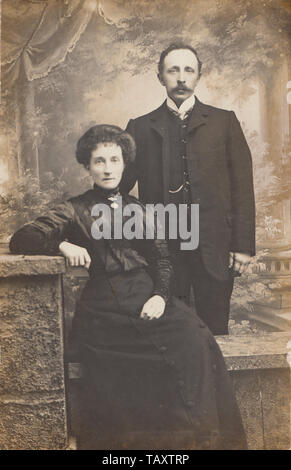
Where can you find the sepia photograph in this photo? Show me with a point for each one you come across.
(145, 236)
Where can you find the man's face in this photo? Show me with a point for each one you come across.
(180, 74)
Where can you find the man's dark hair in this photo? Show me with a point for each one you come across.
(176, 46)
(105, 133)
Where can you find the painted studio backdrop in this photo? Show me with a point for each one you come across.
(68, 64)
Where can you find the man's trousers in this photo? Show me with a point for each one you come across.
(211, 296)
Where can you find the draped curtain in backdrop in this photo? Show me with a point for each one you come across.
(36, 36)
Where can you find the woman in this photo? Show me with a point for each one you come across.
(154, 377)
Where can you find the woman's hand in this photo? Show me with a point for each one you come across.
(76, 255)
(153, 308)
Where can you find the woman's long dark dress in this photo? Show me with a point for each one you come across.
(148, 384)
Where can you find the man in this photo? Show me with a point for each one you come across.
(189, 152)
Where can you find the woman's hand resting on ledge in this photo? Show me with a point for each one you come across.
(153, 308)
(76, 255)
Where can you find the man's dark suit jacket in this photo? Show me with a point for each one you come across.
(220, 171)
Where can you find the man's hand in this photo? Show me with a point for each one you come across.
(76, 255)
(153, 308)
(239, 261)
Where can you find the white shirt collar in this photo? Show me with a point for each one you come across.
(185, 106)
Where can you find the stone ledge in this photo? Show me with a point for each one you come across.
(248, 352)
(267, 351)
(33, 265)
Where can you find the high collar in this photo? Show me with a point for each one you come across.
(105, 193)
(185, 107)
(198, 117)
(200, 109)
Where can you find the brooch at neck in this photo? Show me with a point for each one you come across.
(113, 204)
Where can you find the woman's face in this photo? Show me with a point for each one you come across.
(106, 165)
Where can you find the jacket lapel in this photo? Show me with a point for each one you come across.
(158, 122)
(198, 116)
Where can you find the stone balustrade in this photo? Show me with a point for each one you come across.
(38, 391)
(274, 309)
(277, 263)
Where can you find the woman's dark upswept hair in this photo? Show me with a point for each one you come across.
(105, 133)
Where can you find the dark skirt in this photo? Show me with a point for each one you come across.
(150, 384)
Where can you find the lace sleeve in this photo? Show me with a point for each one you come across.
(157, 255)
(155, 251)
